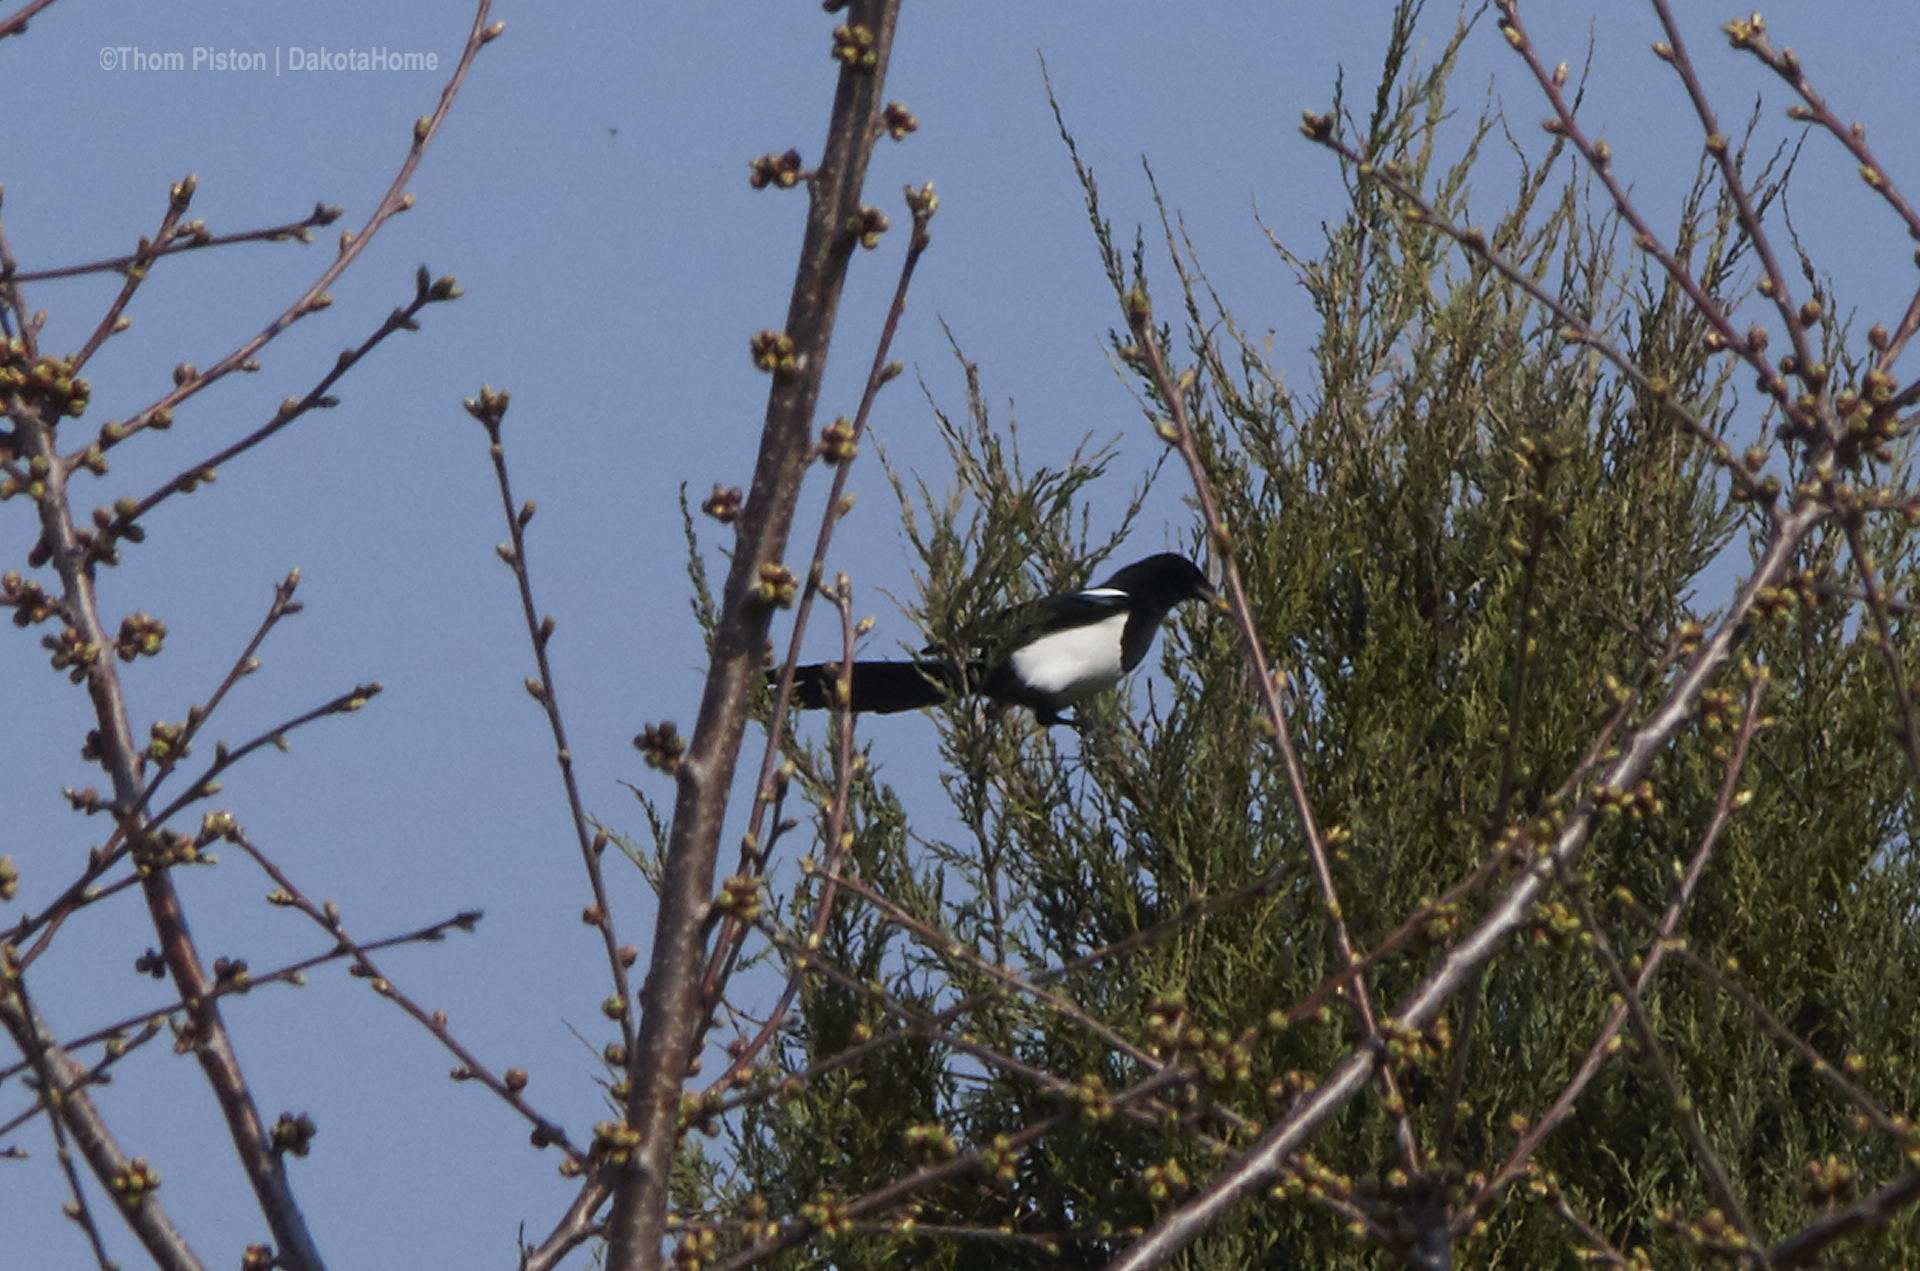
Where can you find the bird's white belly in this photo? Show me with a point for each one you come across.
(1074, 664)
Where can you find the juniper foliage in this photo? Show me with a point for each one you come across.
(1479, 549)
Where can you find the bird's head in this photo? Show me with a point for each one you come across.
(1162, 581)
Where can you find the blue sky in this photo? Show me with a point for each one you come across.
(589, 193)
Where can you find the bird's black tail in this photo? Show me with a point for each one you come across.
(879, 687)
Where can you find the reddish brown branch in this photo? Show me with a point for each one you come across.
(837, 838)
(491, 409)
(178, 197)
(1180, 434)
(16, 22)
(119, 1047)
(672, 1004)
(316, 398)
(1751, 34)
(293, 973)
(121, 757)
(131, 826)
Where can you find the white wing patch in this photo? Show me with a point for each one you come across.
(1074, 664)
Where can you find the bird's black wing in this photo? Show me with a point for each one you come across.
(1021, 625)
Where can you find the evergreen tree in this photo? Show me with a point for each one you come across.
(1588, 802)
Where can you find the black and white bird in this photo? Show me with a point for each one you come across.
(1046, 655)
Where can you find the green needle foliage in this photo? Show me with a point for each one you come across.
(1479, 551)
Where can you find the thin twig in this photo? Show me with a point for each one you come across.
(118, 1048)
(178, 197)
(577, 1226)
(1180, 434)
(491, 409)
(1778, 288)
(1751, 35)
(316, 398)
(1194, 912)
(1054, 1003)
(839, 842)
(1863, 1103)
(77, 1209)
(300, 231)
(1574, 327)
(327, 918)
(1602, 1247)
(1003, 1147)
(136, 826)
(283, 606)
(13, 312)
(1683, 1106)
(16, 22)
(922, 1025)
(293, 973)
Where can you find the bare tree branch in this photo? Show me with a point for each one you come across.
(58, 1071)
(16, 22)
(671, 1007)
(1803, 1248)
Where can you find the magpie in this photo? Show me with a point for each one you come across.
(1046, 655)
